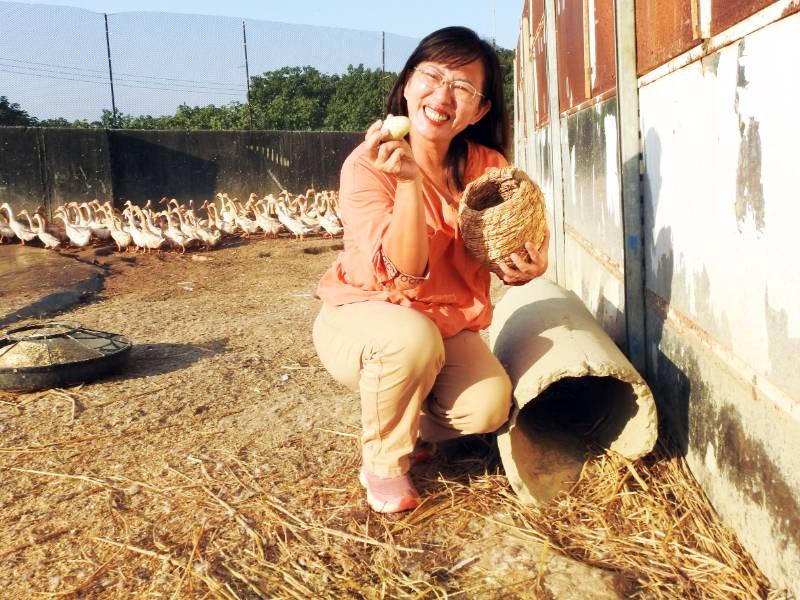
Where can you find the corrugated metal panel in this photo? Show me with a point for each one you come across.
(526, 82)
(602, 44)
(592, 213)
(540, 69)
(725, 13)
(537, 11)
(570, 42)
(591, 178)
(664, 29)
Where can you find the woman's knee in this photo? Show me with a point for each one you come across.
(417, 343)
(492, 412)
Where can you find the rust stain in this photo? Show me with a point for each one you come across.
(570, 45)
(540, 66)
(604, 259)
(726, 13)
(663, 31)
(605, 76)
(791, 9)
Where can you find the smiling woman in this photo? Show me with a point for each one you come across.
(404, 302)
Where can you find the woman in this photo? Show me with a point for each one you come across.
(404, 302)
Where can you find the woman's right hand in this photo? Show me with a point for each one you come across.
(391, 156)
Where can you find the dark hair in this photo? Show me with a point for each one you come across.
(454, 47)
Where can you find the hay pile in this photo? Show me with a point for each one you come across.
(649, 521)
(292, 523)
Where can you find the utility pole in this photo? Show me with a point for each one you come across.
(247, 74)
(383, 72)
(110, 75)
(494, 27)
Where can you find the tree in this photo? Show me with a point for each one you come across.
(291, 98)
(359, 98)
(507, 65)
(12, 114)
(231, 116)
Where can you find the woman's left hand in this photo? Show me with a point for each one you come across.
(522, 270)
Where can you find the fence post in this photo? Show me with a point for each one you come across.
(383, 74)
(630, 184)
(247, 74)
(110, 75)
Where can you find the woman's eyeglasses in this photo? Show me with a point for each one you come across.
(462, 90)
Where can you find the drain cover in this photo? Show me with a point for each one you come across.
(58, 354)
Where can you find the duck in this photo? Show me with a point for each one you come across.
(53, 229)
(49, 240)
(297, 227)
(330, 224)
(5, 230)
(244, 222)
(78, 235)
(23, 233)
(142, 237)
(269, 225)
(221, 224)
(306, 217)
(176, 237)
(121, 237)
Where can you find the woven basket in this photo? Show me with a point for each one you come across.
(500, 211)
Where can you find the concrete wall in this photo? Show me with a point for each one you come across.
(722, 284)
(50, 167)
(719, 284)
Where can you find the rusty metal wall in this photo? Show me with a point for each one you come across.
(602, 46)
(729, 12)
(721, 290)
(539, 63)
(664, 29)
(570, 40)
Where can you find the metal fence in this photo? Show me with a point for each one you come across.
(72, 63)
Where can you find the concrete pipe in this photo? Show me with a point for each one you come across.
(573, 390)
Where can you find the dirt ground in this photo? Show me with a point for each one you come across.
(221, 461)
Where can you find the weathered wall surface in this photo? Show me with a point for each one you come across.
(196, 164)
(592, 213)
(50, 167)
(719, 210)
(722, 284)
(76, 166)
(22, 181)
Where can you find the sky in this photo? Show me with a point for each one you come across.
(54, 60)
(414, 18)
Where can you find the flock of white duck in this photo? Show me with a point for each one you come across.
(177, 226)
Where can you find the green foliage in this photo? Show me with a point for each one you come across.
(290, 98)
(507, 64)
(12, 114)
(358, 99)
(62, 122)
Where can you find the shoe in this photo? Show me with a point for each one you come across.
(423, 452)
(389, 495)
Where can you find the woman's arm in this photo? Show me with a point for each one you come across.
(406, 241)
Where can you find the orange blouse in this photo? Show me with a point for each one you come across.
(454, 293)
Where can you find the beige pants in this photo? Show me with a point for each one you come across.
(412, 382)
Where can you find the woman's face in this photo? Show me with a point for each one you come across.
(440, 111)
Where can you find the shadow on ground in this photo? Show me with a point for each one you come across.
(158, 359)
